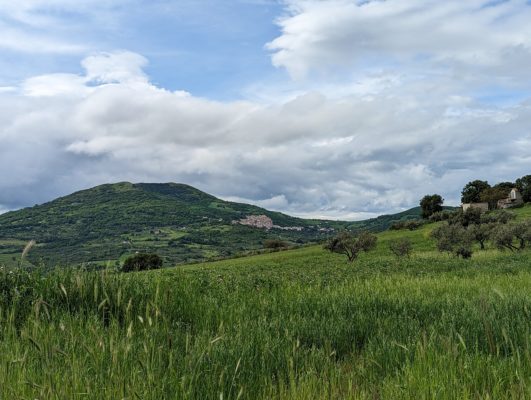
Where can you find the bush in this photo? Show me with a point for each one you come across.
(498, 217)
(481, 233)
(513, 237)
(18, 290)
(410, 224)
(396, 226)
(275, 244)
(401, 247)
(471, 216)
(453, 239)
(441, 216)
(349, 245)
(464, 253)
(142, 262)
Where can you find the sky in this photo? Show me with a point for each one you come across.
(339, 109)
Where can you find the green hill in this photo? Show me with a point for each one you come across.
(179, 222)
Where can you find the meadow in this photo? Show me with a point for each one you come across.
(298, 324)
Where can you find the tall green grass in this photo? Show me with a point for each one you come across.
(301, 324)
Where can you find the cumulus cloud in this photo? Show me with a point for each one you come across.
(316, 154)
(470, 36)
(123, 67)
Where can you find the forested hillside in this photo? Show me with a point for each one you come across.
(179, 222)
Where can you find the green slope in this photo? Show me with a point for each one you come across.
(294, 325)
(177, 221)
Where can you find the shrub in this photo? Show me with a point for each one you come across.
(410, 224)
(470, 216)
(481, 233)
(414, 224)
(440, 216)
(275, 244)
(463, 252)
(401, 247)
(512, 236)
(453, 239)
(500, 216)
(396, 226)
(349, 245)
(142, 262)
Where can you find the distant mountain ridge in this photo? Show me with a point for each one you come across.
(179, 222)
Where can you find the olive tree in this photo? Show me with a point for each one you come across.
(454, 239)
(401, 247)
(349, 245)
(513, 237)
(481, 233)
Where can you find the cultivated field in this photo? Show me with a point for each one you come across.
(300, 324)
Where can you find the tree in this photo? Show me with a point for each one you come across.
(512, 236)
(481, 233)
(441, 216)
(275, 244)
(471, 193)
(401, 247)
(497, 192)
(349, 245)
(522, 233)
(142, 262)
(497, 217)
(411, 224)
(431, 204)
(471, 216)
(454, 239)
(523, 184)
(506, 186)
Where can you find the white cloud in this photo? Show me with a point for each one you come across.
(58, 27)
(395, 99)
(340, 156)
(275, 203)
(468, 36)
(116, 67)
(7, 89)
(42, 12)
(15, 39)
(103, 68)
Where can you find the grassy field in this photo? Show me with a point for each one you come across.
(300, 324)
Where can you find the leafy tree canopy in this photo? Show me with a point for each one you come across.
(497, 192)
(142, 262)
(524, 186)
(349, 245)
(472, 191)
(430, 204)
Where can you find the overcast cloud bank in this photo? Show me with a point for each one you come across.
(390, 101)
